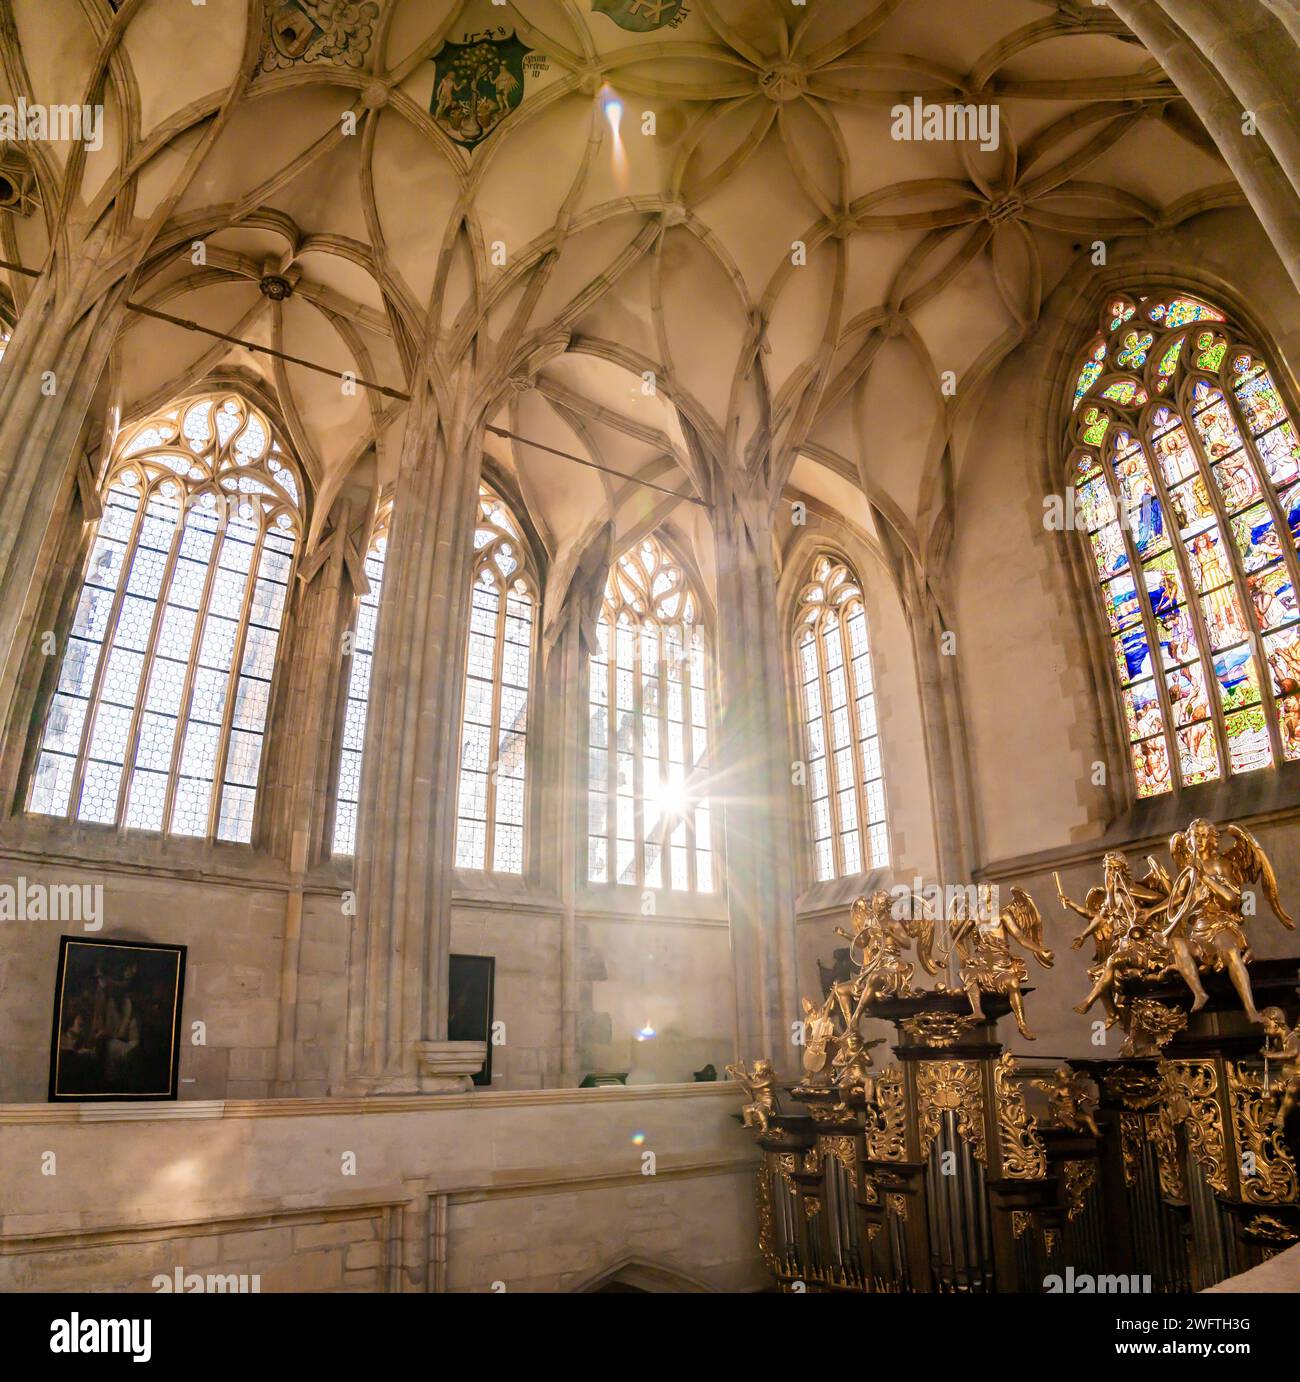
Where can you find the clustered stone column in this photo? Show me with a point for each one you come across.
(752, 776)
(398, 973)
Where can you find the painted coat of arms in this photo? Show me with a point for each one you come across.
(476, 85)
(300, 31)
(640, 16)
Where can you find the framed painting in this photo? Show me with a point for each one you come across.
(469, 1005)
(117, 1020)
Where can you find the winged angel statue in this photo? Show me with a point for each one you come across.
(987, 964)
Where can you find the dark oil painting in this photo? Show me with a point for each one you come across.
(117, 1016)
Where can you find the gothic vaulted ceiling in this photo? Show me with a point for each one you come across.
(684, 236)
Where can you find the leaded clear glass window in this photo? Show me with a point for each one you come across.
(844, 777)
(360, 667)
(648, 743)
(159, 715)
(494, 723)
(1185, 479)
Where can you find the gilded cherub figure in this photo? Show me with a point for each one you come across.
(881, 940)
(760, 1085)
(819, 1041)
(987, 963)
(1206, 907)
(1069, 1102)
(1285, 1047)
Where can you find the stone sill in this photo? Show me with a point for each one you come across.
(209, 1109)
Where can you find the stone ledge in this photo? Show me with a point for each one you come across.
(200, 1109)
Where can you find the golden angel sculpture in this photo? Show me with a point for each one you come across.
(1207, 909)
(1069, 1101)
(882, 939)
(987, 964)
(760, 1084)
(1283, 1045)
(1126, 922)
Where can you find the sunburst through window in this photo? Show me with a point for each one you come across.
(159, 715)
(1185, 477)
(648, 746)
(494, 724)
(837, 701)
(360, 666)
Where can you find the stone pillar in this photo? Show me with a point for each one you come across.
(48, 377)
(1257, 49)
(751, 777)
(303, 759)
(397, 1010)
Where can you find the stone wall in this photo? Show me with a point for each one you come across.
(489, 1191)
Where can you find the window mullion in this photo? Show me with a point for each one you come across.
(232, 682)
(1237, 567)
(855, 742)
(146, 666)
(688, 762)
(494, 763)
(1148, 625)
(1282, 527)
(828, 749)
(105, 648)
(1192, 599)
(611, 748)
(191, 669)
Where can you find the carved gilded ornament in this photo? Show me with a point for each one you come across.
(1131, 1137)
(1021, 1222)
(1136, 1089)
(1051, 1237)
(950, 1086)
(788, 1163)
(1080, 1177)
(1023, 1155)
(1191, 1089)
(1274, 1178)
(1160, 1129)
(812, 1206)
(1151, 1027)
(766, 1229)
(845, 1150)
(896, 1203)
(887, 1124)
(869, 1191)
(1268, 1228)
(939, 1029)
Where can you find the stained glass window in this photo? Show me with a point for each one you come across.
(159, 715)
(360, 665)
(1185, 478)
(844, 777)
(494, 723)
(648, 821)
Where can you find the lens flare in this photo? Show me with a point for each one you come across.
(647, 1033)
(638, 1139)
(613, 108)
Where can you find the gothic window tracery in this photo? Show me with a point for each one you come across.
(648, 743)
(1184, 470)
(844, 775)
(494, 721)
(159, 714)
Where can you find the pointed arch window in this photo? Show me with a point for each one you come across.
(1184, 470)
(837, 703)
(347, 793)
(648, 745)
(494, 722)
(159, 715)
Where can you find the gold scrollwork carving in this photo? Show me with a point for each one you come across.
(1051, 1237)
(939, 1029)
(1268, 1228)
(812, 1158)
(896, 1203)
(950, 1085)
(766, 1229)
(787, 1163)
(1023, 1155)
(1274, 1174)
(870, 1194)
(1160, 1129)
(1080, 1177)
(812, 1206)
(887, 1122)
(1130, 1144)
(1022, 1220)
(1136, 1089)
(1191, 1089)
(844, 1149)
(1151, 1027)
